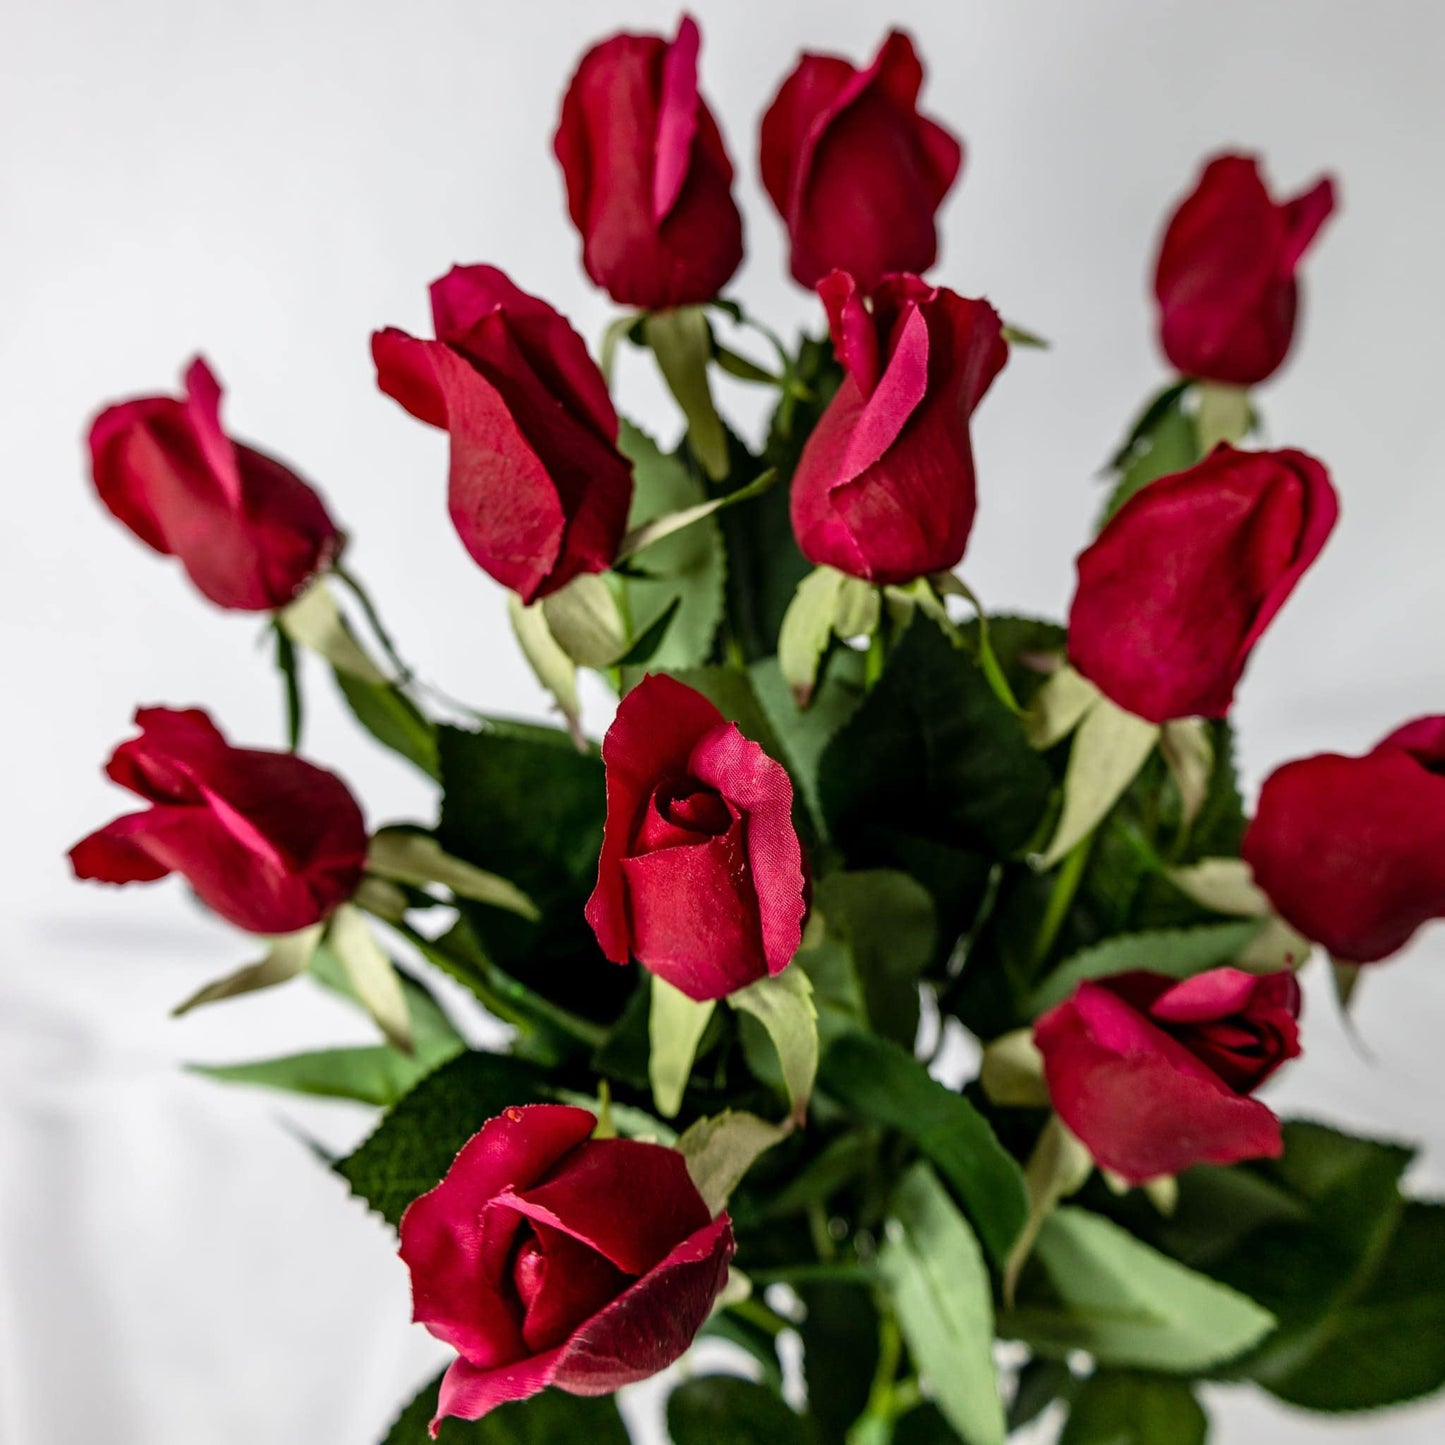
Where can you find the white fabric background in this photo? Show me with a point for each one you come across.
(271, 179)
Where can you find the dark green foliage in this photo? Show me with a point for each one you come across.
(392, 718)
(414, 1145)
(840, 1355)
(1116, 1407)
(724, 1410)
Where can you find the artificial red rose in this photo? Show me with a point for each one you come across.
(547, 1257)
(267, 840)
(1154, 1075)
(701, 874)
(538, 491)
(855, 171)
(249, 532)
(884, 489)
(1351, 850)
(1226, 280)
(1179, 586)
(649, 183)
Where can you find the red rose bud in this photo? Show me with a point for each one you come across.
(884, 489)
(268, 841)
(1180, 585)
(538, 491)
(1351, 851)
(1226, 273)
(1154, 1075)
(248, 531)
(649, 183)
(546, 1257)
(701, 874)
(854, 170)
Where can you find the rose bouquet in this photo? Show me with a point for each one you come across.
(890, 992)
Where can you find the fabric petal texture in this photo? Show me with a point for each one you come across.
(1351, 850)
(701, 873)
(649, 182)
(1179, 586)
(546, 1257)
(538, 491)
(885, 488)
(248, 531)
(267, 840)
(1154, 1076)
(1226, 278)
(855, 171)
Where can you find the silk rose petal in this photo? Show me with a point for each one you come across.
(885, 487)
(855, 171)
(701, 873)
(649, 182)
(249, 532)
(1226, 276)
(538, 490)
(1154, 1075)
(546, 1257)
(1351, 850)
(267, 840)
(1179, 586)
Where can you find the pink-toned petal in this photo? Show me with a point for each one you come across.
(650, 738)
(1423, 738)
(581, 1199)
(468, 1393)
(652, 1324)
(1303, 217)
(898, 394)
(1212, 995)
(118, 482)
(854, 333)
(676, 119)
(117, 853)
(406, 373)
(203, 404)
(760, 787)
(574, 1282)
(443, 1240)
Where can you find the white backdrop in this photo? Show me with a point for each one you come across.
(271, 179)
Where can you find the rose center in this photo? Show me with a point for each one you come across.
(682, 811)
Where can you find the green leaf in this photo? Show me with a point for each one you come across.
(681, 340)
(675, 1027)
(1222, 414)
(1164, 442)
(686, 569)
(1385, 1344)
(650, 533)
(1057, 1168)
(887, 921)
(525, 804)
(545, 656)
(840, 1354)
(429, 1021)
(1127, 1304)
(885, 1083)
(585, 620)
(932, 752)
(315, 621)
(377, 1074)
(939, 1286)
(286, 661)
(724, 1410)
(414, 1145)
(783, 1004)
(1058, 707)
(1117, 1408)
(371, 974)
(551, 1418)
(804, 734)
(391, 717)
(406, 855)
(720, 1151)
(808, 629)
(286, 957)
(1041, 1381)
(1177, 952)
(1109, 747)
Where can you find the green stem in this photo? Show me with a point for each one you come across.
(839, 1273)
(875, 1425)
(286, 664)
(1061, 898)
(757, 1313)
(877, 657)
(374, 622)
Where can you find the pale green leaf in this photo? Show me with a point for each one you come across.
(1011, 1072)
(1127, 1304)
(720, 1151)
(675, 1026)
(1058, 707)
(859, 609)
(681, 340)
(654, 531)
(314, 621)
(1109, 747)
(1057, 1168)
(586, 622)
(372, 974)
(1222, 413)
(549, 663)
(411, 857)
(1189, 752)
(287, 956)
(939, 1287)
(807, 628)
(1225, 885)
(783, 1004)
